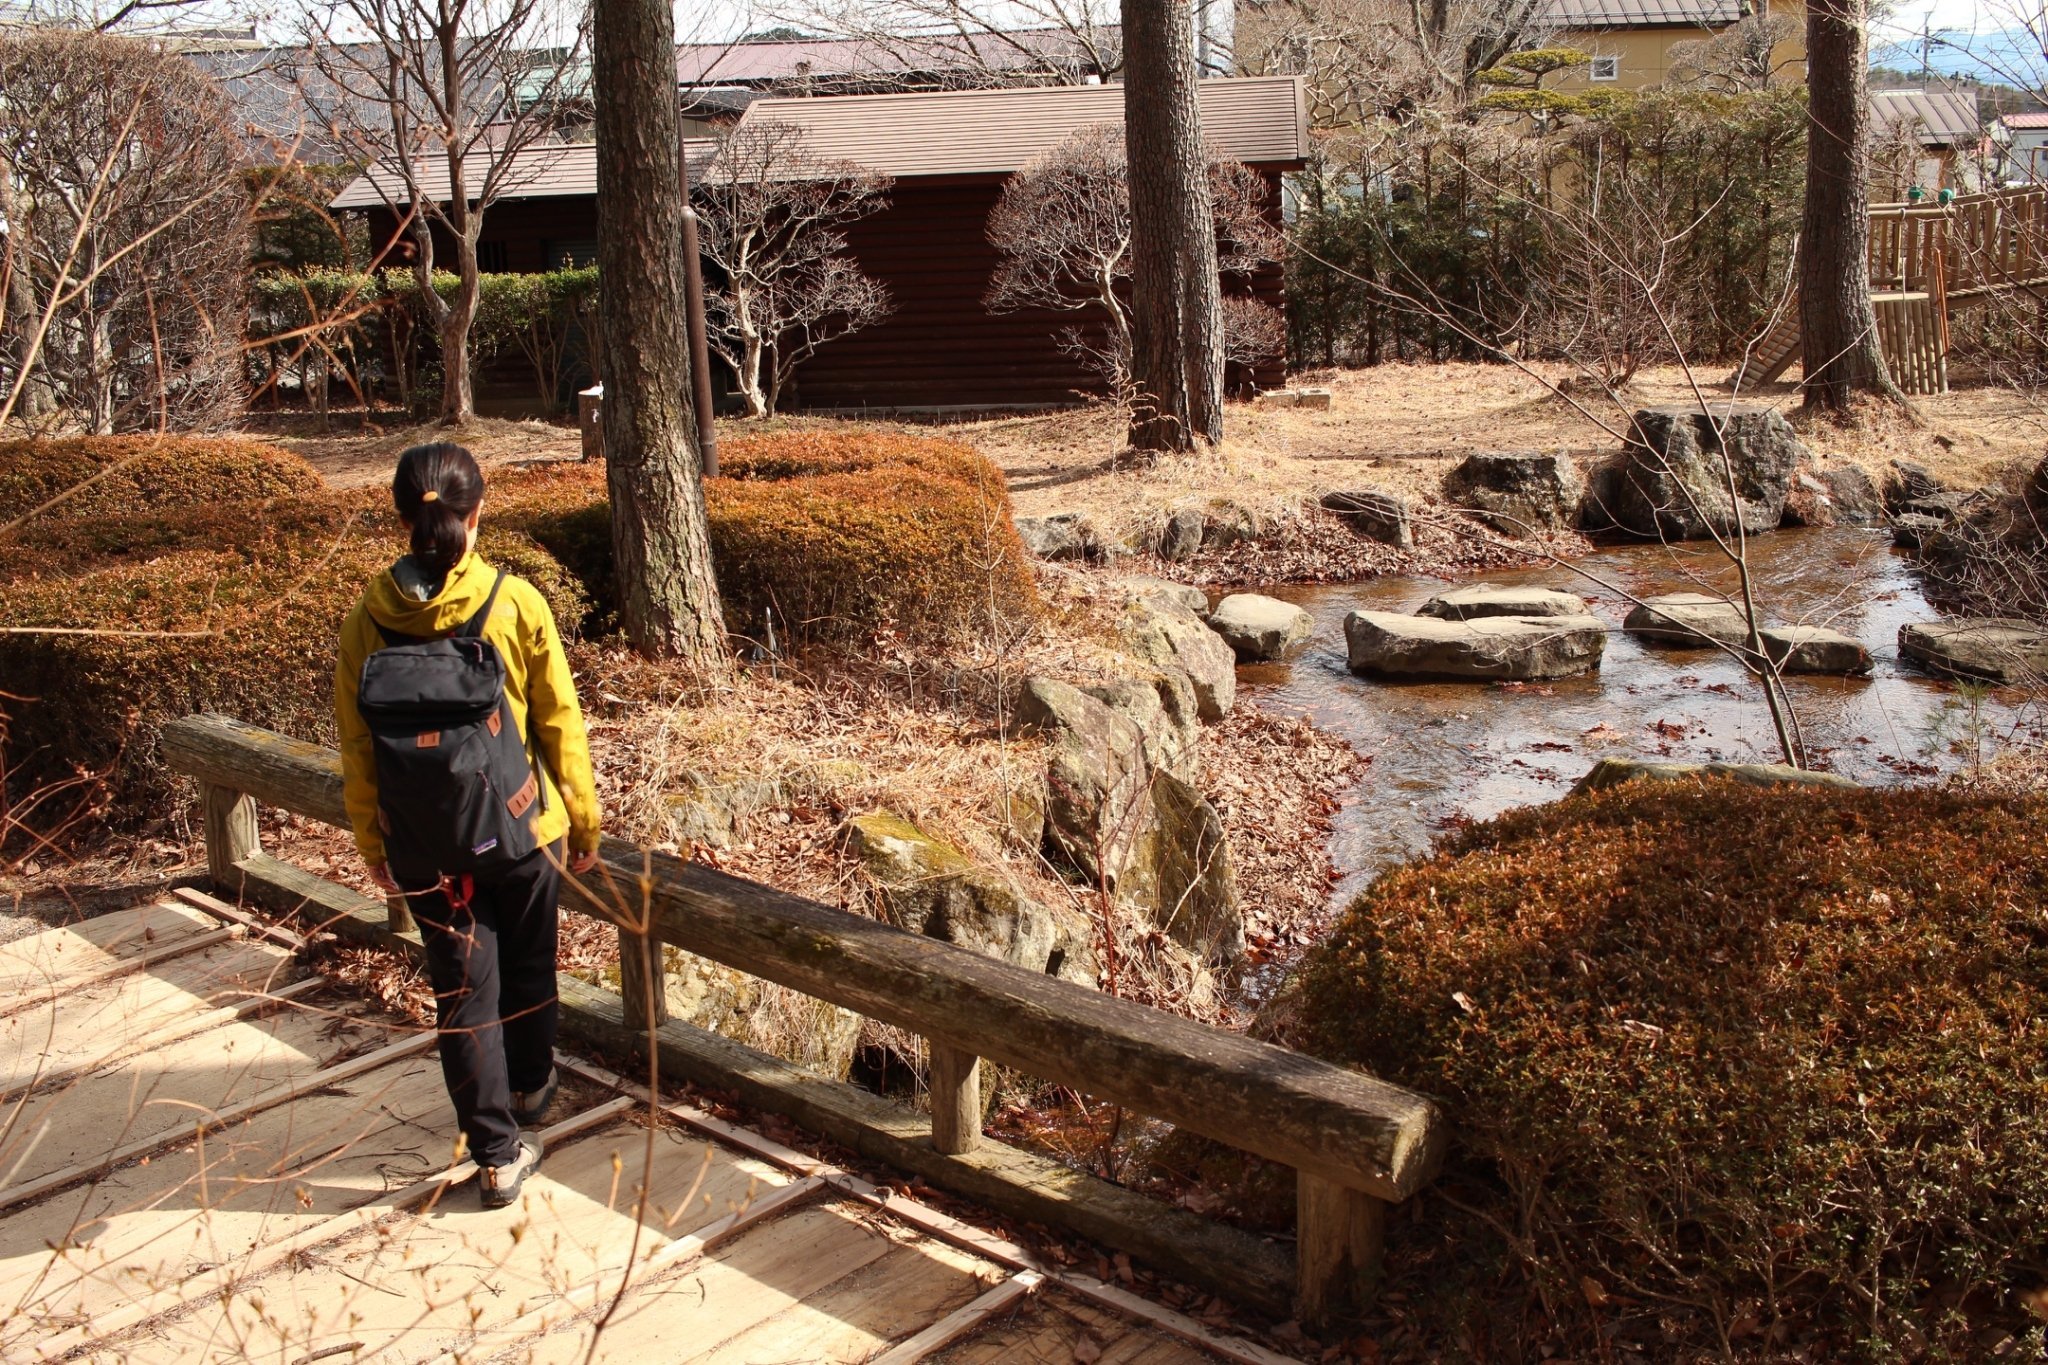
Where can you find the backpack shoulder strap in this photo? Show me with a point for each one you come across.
(474, 626)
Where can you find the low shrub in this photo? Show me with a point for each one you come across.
(119, 476)
(1751, 1073)
(841, 533)
(223, 603)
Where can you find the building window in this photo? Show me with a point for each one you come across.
(1606, 69)
(491, 257)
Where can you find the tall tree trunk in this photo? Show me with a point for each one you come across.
(1176, 307)
(458, 384)
(1838, 330)
(661, 544)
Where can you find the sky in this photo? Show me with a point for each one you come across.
(1998, 40)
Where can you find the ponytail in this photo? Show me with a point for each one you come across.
(437, 489)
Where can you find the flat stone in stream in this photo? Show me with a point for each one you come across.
(1687, 620)
(1815, 649)
(1492, 648)
(1258, 627)
(1991, 649)
(1477, 600)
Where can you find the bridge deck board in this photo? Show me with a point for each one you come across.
(55, 960)
(1057, 1327)
(319, 1226)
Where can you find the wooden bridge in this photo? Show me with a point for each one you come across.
(1926, 261)
(211, 1154)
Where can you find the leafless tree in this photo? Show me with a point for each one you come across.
(1063, 226)
(1742, 57)
(773, 224)
(1367, 60)
(126, 235)
(440, 98)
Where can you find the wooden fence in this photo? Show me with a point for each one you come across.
(1357, 1144)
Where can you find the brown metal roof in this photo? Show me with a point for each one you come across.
(1581, 14)
(1259, 120)
(549, 172)
(1940, 118)
(2039, 120)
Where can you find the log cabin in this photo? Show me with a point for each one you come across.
(948, 154)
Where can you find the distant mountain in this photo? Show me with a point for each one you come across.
(2010, 57)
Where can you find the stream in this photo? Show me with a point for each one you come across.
(1445, 751)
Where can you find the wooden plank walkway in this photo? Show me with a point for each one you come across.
(209, 1156)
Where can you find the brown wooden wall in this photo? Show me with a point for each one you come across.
(941, 348)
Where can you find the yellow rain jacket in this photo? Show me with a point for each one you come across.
(537, 683)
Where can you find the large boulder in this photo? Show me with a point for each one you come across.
(1138, 588)
(773, 1019)
(1814, 649)
(1688, 620)
(1182, 537)
(1519, 493)
(1908, 482)
(1478, 600)
(1374, 514)
(1097, 781)
(1916, 531)
(1615, 772)
(1989, 649)
(929, 887)
(1170, 637)
(1494, 647)
(1674, 478)
(1809, 501)
(1258, 627)
(1163, 708)
(1181, 874)
(1063, 535)
(1854, 494)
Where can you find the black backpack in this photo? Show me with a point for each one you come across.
(454, 777)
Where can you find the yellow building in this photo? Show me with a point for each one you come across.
(1632, 41)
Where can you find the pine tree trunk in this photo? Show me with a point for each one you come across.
(1176, 309)
(661, 544)
(1838, 329)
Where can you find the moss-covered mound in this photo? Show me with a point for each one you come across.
(128, 475)
(1749, 1072)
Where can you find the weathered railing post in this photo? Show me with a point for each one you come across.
(1340, 1234)
(231, 833)
(643, 989)
(956, 1099)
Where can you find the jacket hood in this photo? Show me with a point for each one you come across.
(468, 584)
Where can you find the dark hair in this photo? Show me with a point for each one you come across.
(437, 488)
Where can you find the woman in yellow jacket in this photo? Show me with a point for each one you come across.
(490, 939)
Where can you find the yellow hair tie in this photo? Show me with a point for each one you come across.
(430, 496)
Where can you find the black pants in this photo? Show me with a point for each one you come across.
(493, 968)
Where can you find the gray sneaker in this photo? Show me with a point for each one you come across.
(500, 1185)
(529, 1107)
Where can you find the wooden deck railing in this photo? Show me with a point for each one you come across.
(1356, 1143)
(1974, 245)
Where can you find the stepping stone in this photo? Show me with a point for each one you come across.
(1687, 620)
(1486, 599)
(1258, 627)
(1992, 649)
(1493, 648)
(1814, 649)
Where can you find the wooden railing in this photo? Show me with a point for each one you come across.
(1357, 1144)
(1973, 245)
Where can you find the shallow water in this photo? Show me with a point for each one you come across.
(1442, 751)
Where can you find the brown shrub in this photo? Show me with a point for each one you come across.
(842, 533)
(121, 476)
(1748, 1072)
(249, 597)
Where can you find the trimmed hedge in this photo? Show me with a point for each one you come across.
(239, 541)
(237, 554)
(133, 475)
(842, 533)
(1761, 1073)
